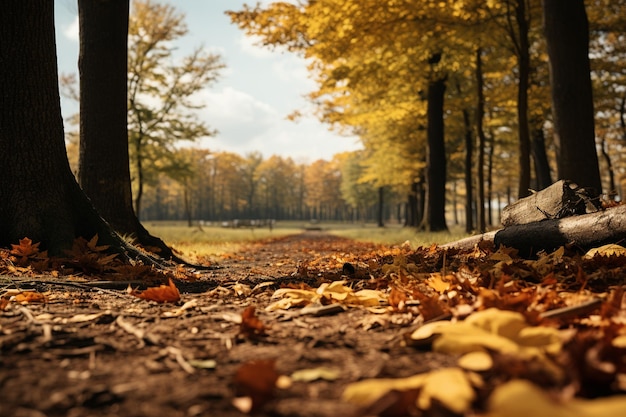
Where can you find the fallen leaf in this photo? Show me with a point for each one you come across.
(314, 374)
(606, 250)
(438, 283)
(161, 294)
(250, 324)
(457, 396)
(520, 398)
(254, 384)
(30, 297)
(25, 249)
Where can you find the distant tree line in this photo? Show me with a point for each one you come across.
(223, 186)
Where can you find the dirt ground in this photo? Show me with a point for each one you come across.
(94, 350)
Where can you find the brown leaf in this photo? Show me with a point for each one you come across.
(250, 324)
(256, 380)
(25, 249)
(161, 294)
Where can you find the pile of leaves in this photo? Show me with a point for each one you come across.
(543, 336)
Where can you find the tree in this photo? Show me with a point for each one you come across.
(567, 37)
(40, 197)
(162, 110)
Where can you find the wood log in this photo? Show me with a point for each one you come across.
(585, 231)
(561, 199)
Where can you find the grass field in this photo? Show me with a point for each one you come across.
(208, 241)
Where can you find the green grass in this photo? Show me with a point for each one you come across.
(396, 235)
(209, 241)
(213, 241)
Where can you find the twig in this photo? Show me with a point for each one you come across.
(140, 334)
(572, 311)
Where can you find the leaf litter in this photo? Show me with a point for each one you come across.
(333, 327)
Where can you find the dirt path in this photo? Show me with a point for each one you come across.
(104, 353)
(233, 343)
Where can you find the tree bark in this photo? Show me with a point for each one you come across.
(540, 158)
(559, 200)
(40, 197)
(480, 165)
(567, 38)
(523, 61)
(469, 148)
(585, 231)
(380, 213)
(104, 172)
(434, 219)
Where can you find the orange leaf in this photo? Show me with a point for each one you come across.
(25, 249)
(161, 294)
(250, 323)
(30, 297)
(257, 381)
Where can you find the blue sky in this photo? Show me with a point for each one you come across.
(249, 103)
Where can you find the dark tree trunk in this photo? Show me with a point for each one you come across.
(523, 60)
(609, 167)
(381, 207)
(434, 218)
(40, 197)
(480, 165)
(104, 162)
(542, 166)
(490, 178)
(469, 148)
(567, 38)
(103, 171)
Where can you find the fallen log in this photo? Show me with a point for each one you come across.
(561, 199)
(584, 231)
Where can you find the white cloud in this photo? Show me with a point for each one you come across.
(253, 46)
(71, 31)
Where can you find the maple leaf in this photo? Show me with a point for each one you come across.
(250, 323)
(93, 245)
(161, 294)
(25, 249)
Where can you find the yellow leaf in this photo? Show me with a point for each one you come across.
(606, 250)
(457, 396)
(519, 398)
(314, 374)
(437, 283)
(476, 361)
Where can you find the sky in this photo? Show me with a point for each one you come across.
(249, 103)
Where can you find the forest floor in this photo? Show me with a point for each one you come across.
(287, 327)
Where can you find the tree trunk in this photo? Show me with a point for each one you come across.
(609, 167)
(567, 38)
(434, 219)
(480, 165)
(40, 197)
(104, 172)
(469, 147)
(523, 60)
(381, 206)
(540, 158)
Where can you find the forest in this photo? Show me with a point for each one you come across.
(497, 139)
(462, 107)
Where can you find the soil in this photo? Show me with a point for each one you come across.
(96, 351)
(92, 348)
